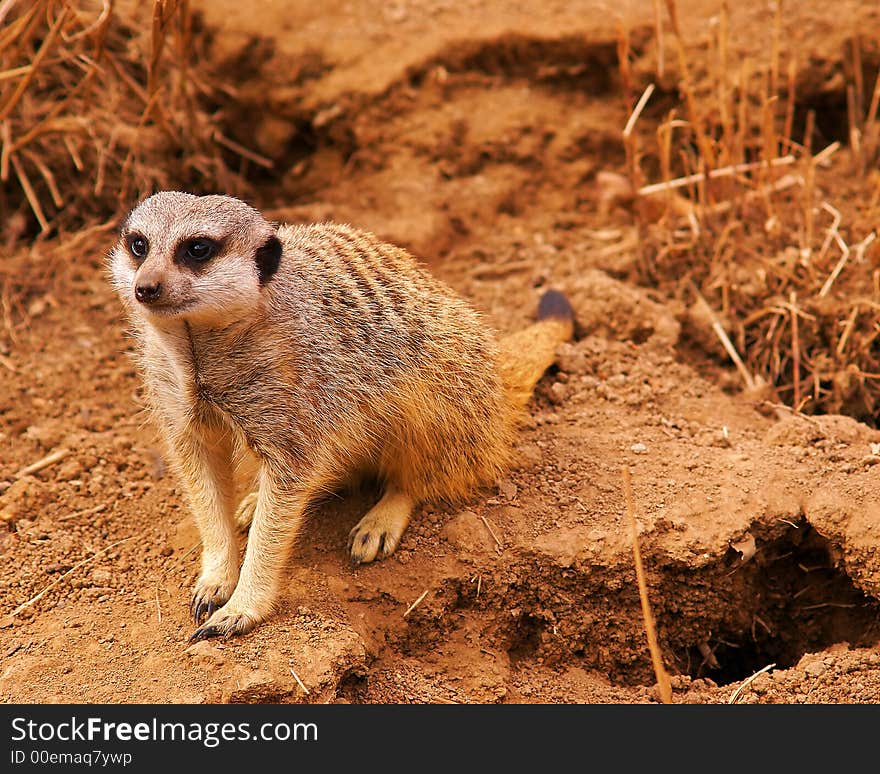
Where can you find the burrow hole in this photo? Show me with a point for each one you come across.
(793, 599)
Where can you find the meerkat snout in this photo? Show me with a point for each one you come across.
(147, 294)
(148, 289)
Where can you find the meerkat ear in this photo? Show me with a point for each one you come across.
(267, 258)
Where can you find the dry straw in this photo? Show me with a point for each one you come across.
(745, 224)
(663, 682)
(100, 104)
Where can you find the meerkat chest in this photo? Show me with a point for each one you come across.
(192, 369)
(239, 379)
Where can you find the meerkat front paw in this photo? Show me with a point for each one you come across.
(210, 594)
(226, 622)
(378, 534)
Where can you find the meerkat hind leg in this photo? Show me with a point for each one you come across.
(244, 514)
(246, 470)
(378, 533)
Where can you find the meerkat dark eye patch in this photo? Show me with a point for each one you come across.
(196, 251)
(137, 245)
(268, 258)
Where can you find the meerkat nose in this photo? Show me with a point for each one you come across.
(147, 293)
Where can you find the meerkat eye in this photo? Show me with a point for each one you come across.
(199, 250)
(138, 246)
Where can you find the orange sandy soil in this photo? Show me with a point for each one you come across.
(470, 132)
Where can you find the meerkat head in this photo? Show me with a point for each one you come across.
(196, 258)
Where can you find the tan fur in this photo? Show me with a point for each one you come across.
(271, 391)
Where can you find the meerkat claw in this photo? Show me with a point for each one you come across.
(203, 610)
(204, 633)
(225, 623)
(208, 596)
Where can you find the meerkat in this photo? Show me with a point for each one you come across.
(280, 361)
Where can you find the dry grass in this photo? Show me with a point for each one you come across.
(99, 104)
(779, 240)
(663, 684)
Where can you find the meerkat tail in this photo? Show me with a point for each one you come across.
(527, 354)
